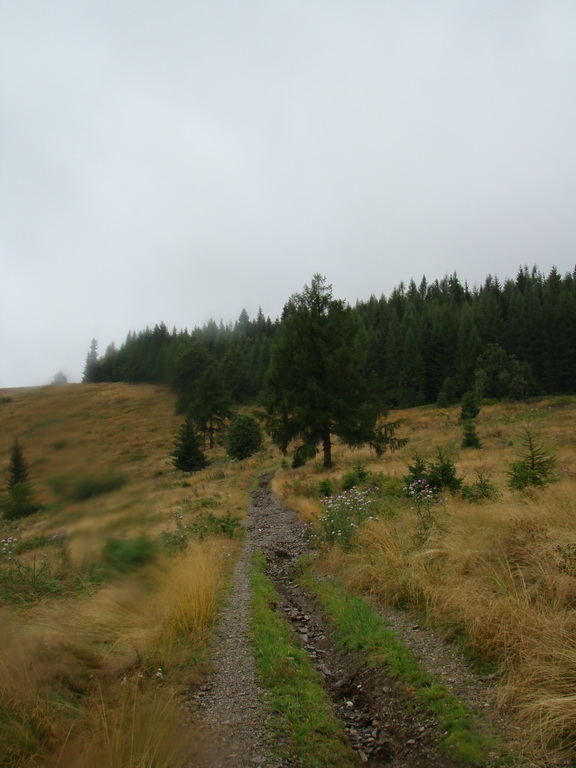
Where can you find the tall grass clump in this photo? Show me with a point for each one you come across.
(495, 579)
(494, 567)
(140, 728)
(188, 600)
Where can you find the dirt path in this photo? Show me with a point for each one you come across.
(230, 704)
(379, 726)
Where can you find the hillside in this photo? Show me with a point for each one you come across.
(109, 594)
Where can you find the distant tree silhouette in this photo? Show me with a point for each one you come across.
(91, 368)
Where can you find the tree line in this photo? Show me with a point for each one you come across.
(426, 343)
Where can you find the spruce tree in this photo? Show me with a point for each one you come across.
(470, 438)
(244, 437)
(536, 464)
(211, 403)
(316, 385)
(20, 502)
(469, 407)
(18, 467)
(92, 367)
(188, 455)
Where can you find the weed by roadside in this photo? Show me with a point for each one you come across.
(203, 526)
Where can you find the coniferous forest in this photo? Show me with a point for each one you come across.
(425, 344)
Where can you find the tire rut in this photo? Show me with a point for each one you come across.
(379, 724)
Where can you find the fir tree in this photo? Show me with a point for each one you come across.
(536, 464)
(20, 501)
(470, 438)
(469, 407)
(188, 455)
(18, 467)
(92, 368)
(244, 437)
(211, 404)
(316, 385)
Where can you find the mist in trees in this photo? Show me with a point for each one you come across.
(426, 343)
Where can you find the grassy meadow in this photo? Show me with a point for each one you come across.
(108, 594)
(497, 575)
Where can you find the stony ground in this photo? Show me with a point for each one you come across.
(382, 730)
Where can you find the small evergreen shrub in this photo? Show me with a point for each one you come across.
(447, 394)
(244, 437)
(325, 487)
(482, 490)
(536, 464)
(441, 473)
(20, 502)
(470, 437)
(469, 406)
(18, 467)
(355, 476)
(188, 455)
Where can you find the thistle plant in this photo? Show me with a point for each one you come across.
(343, 514)
(22, 580)
(424, 498)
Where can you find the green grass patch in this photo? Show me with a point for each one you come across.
(73, 488)
(302, 716)
(125, 555)
(359, 629)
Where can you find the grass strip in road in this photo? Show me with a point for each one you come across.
(302, 716)
(358, 628)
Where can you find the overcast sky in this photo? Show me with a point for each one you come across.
(181, 160)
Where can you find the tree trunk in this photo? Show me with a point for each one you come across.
(327, 445)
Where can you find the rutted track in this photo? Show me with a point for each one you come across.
(380, 727)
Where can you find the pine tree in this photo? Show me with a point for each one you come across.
(244, 437)
(316, 385)
(188, 455)
(20, 501)
(211, 404)
(536, 464)
(469, 407)
(470, 438)
(92, 368)
(18, 467)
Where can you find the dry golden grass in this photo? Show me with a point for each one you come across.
(498, 576)
(92, 676)
(141, 728)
